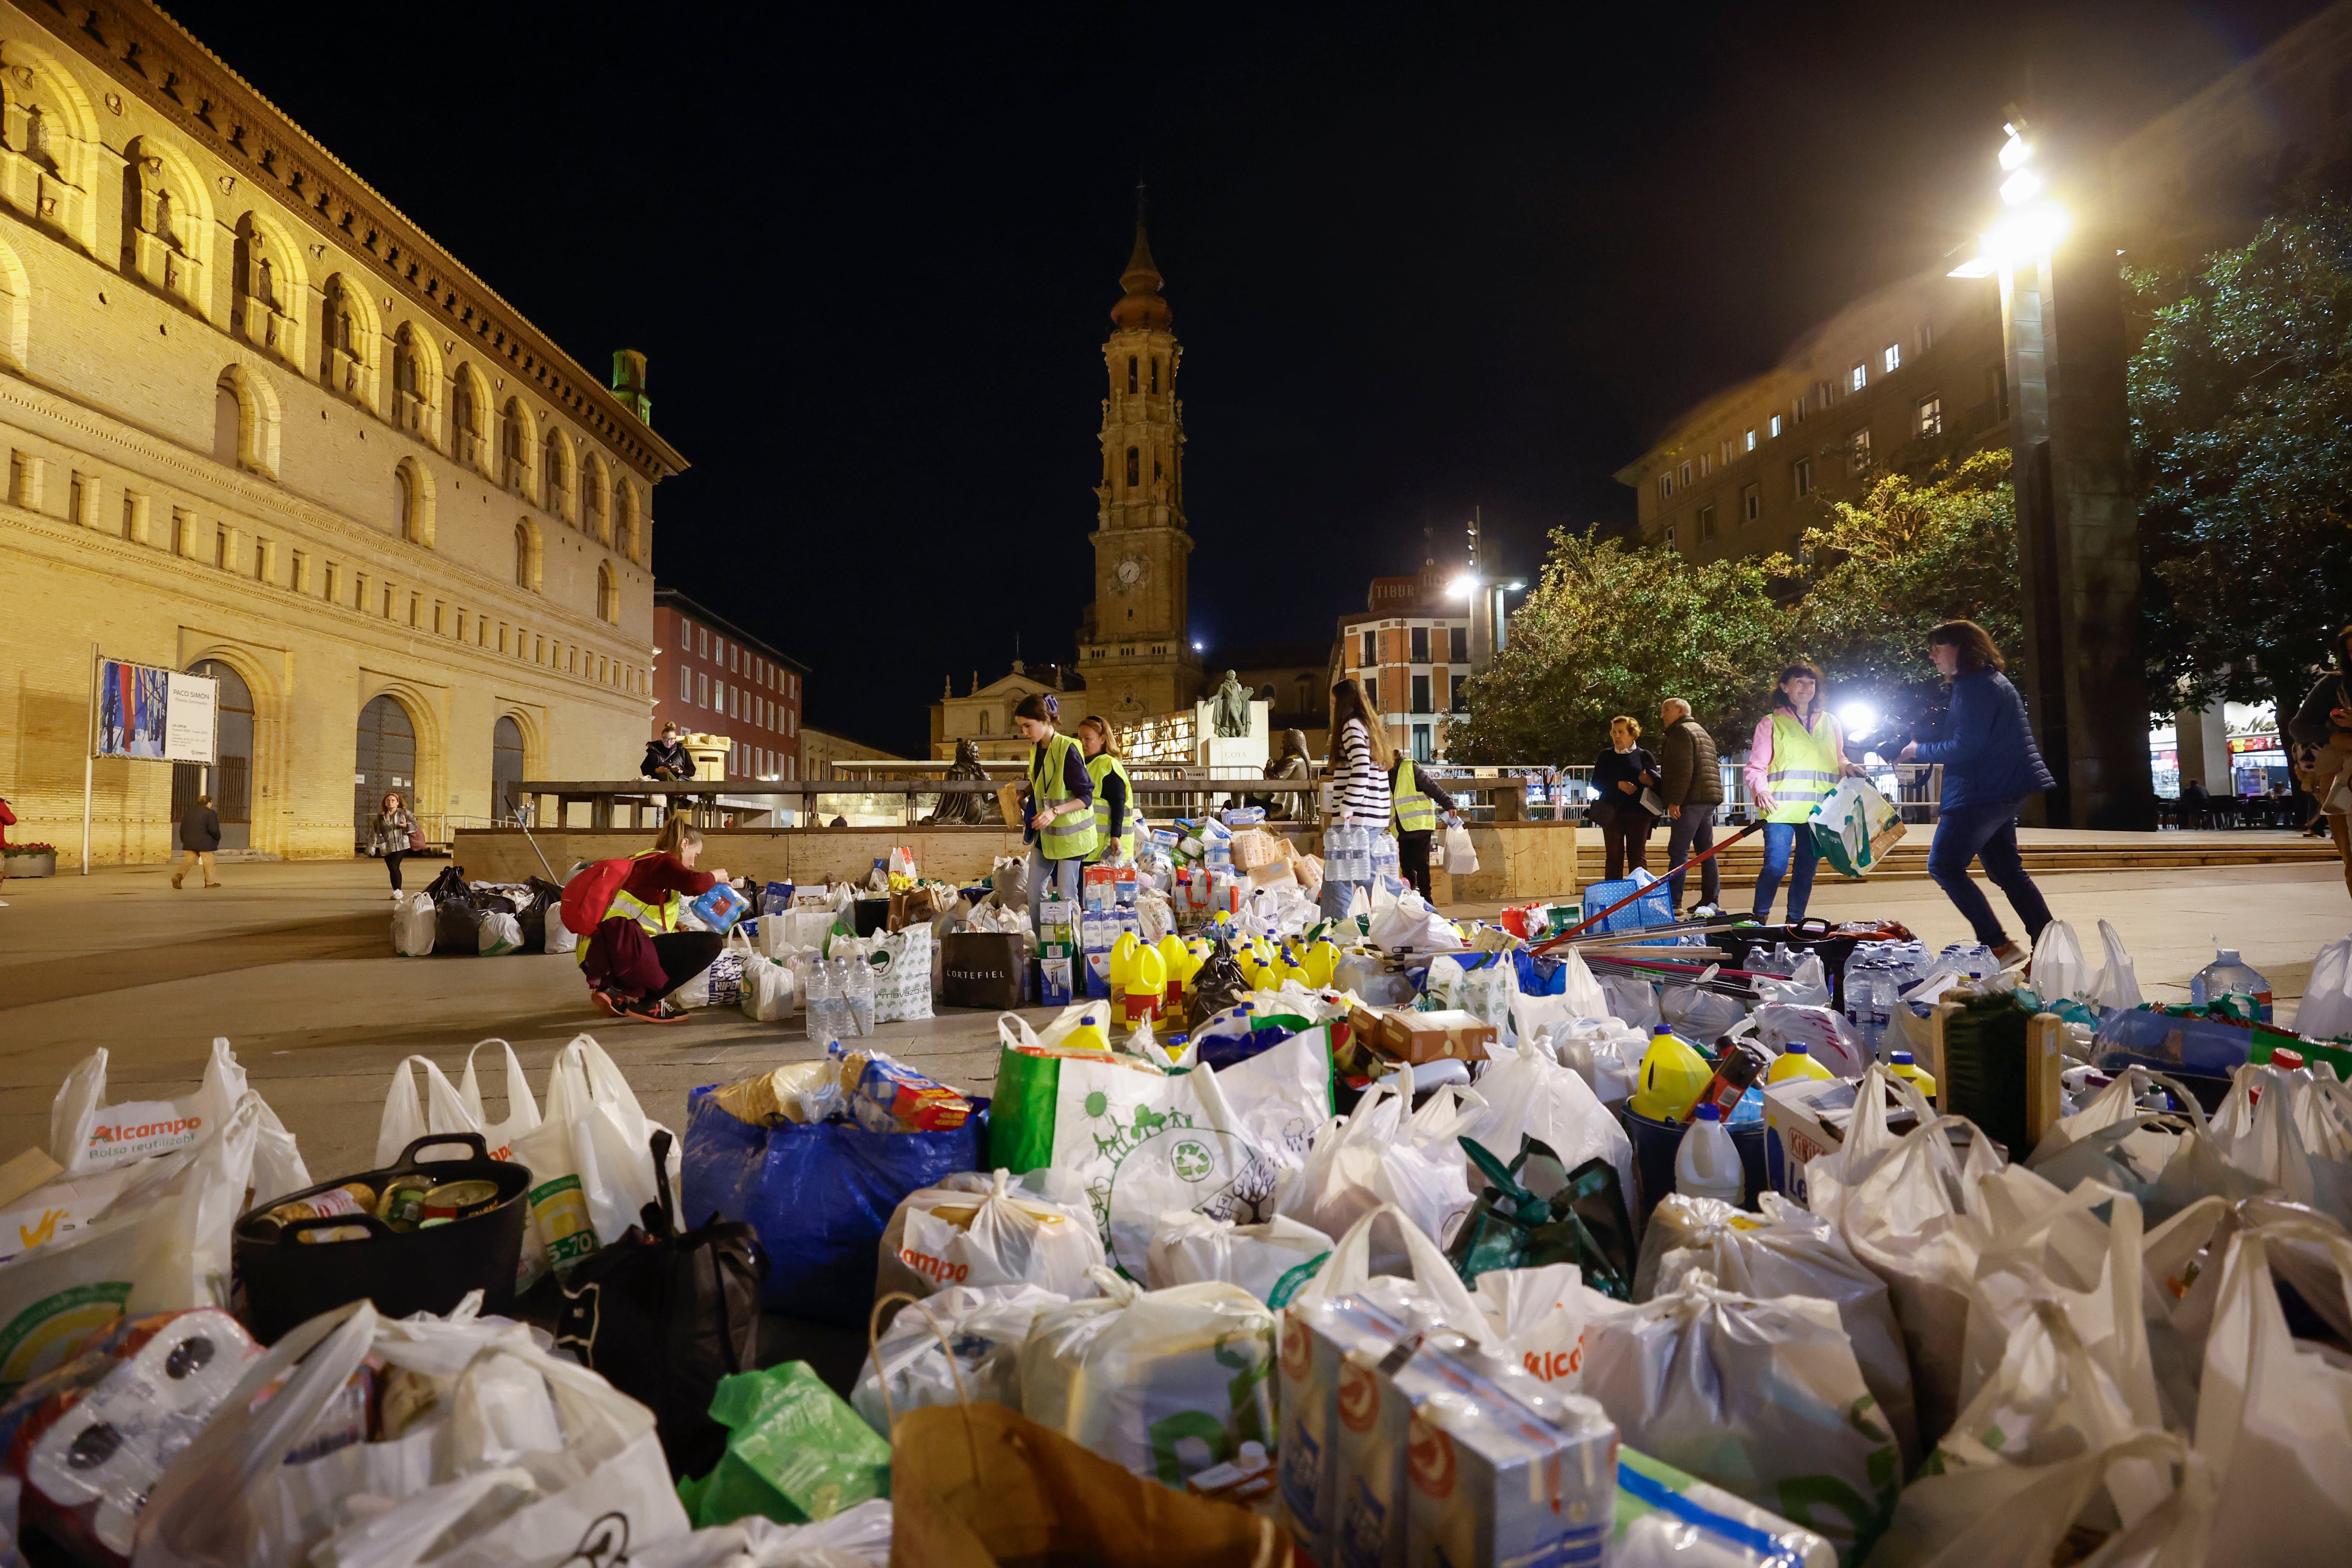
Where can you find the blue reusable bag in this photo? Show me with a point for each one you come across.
(818, 1196)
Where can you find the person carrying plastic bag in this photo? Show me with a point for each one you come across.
(1797, 755)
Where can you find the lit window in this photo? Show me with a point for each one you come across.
(1751, 503)
(1857, 378)
(1776, 427)
(1751, 435)
(1803, 474)
(1893, 357)
(1931, 416)
(1706, 524)
(1861, 447)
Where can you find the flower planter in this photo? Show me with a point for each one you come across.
(31, 865)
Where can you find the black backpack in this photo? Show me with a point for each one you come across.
(665, 1314)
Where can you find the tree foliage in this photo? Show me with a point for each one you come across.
(1883, 570)
(2242, 422)
(1611, 627)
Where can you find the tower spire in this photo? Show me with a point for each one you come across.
(1141, 310)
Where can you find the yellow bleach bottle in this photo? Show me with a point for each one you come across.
(1147, 983)
(1289, 968)
(1197, 952)
(1122, 960)
(1797, 1062)
(1673, 1076)
(1090, 1034)
(1320, 961)
(1901, 1064)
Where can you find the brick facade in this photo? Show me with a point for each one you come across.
(710, 678)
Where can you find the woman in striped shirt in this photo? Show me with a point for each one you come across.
(1360, 760)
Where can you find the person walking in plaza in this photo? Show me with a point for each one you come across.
(638, 957)
(1057, 802)
(1416, 801)
(1990, 767)
(1622, 773)
(199, 837)
(668, 760)
(2323, 727)
(1692, 788)
(394, 835)
(1116, 823)
(1795, 757)
(1360, 760)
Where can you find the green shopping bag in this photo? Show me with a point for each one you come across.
(796, 1453)
(1854, 826)
(1536, 1211)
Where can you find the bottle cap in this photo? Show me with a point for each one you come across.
(2226, 956)
(1902, 1057)
(1708, 1111)
(2285, 1058)
(1658, 1029)
(1797, 1048)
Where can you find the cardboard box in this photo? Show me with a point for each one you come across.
(984, 969)
(1403, 1035)
(1805, 1118)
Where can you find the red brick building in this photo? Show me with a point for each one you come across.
(711, 678)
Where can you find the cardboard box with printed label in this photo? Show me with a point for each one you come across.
(1805, 1118)
(1403, 1035)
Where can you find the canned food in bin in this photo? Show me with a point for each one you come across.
(456, 1200)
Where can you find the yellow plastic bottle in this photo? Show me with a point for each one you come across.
(1673, 1076)
(1197, 952)
(1900, 1064)
(1147, 980)
(1089, 1035)
(1122, 960)
(1797, 1062)
(1287, 967)
(1320, 959)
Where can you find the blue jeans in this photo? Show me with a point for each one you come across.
(1062, 875)
(1987, 830)
(1787, 843)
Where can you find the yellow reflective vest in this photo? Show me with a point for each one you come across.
(1412, 811)
(1099, 766)
(655, 918)
(1073, 836)
(1805, 767)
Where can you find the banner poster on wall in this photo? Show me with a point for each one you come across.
(160, 715)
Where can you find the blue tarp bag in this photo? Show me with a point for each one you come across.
(818, 1195)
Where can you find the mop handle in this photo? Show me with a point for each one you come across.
(1637, 893)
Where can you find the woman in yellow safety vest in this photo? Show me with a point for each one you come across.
(1058, 801)
(637, 956)
(1414, 803)
(1115, 813)
(1797, 756)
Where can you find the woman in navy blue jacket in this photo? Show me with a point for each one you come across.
(1990, 766)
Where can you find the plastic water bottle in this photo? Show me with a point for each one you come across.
(1706, 1164)
(819, 1004)
(1384, 854)
(2230, 975)
(857, 996)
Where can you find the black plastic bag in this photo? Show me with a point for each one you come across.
(664, 1314)
(1221, 983)
(546, 899)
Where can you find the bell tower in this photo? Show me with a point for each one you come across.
(1134, 647)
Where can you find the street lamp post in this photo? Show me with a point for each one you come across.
(2077, 520)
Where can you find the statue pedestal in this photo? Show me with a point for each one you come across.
(1239, 751)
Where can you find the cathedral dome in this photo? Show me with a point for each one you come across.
(1142, 310)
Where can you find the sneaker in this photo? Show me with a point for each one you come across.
(604, 1002)
(1705, 911)
(2009, 954)
(649, 1010)
(175, 883)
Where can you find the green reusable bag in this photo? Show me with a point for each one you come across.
(1021, 1116)
(796, 1453)
(1536, 1211)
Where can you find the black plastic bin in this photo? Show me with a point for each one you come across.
(289, 1282)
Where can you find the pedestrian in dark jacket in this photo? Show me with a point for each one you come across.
(199, 837)
(667, 757)
(1990, 767)
(1692, 788)
(1622, 771)
(2322, 727)
(394, 835)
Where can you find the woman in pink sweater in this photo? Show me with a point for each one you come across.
(1797, 756)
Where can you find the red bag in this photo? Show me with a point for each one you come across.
(588, 895)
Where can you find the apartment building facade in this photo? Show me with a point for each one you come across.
(712, 677)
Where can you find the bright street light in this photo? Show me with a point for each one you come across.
(2026, 232)
(1198, 646)
(1514, 587)
(1859, 719)
(2021, 186)
(1462, 587)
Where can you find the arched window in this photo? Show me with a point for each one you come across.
(526, 557)
(411, 521)
(608, 593)
(338, 338)
(592, 501)
(1134, 466)
(983, 721)
(228, 422)
(465, 423)
(407, 387)
(556, 477)
(514, 449)
(625, 497)
(37, 139)
(1130, 373)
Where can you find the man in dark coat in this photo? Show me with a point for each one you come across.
(1691, 784)
(199, 837)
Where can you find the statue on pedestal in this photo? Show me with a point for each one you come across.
(965, 810)
(1229, 709)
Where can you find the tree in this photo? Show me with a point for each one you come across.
(1610, 629)
(1915, 550)
(2242, 422)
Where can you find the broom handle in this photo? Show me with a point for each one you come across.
(1637, 893)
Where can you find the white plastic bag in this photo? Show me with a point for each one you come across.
(1531, 1095)
(2325, 1011)
(1410, 922)
(87, 1135)
(590, 1160)
(984, 1326)
(768, 995)
(1821, 1029)
(1422, 1272)
(1762, 1398)
(1461, 854)
(415, 923)
(1539, 1317)
(498, 934)
(1271, 1261)
(2116, 984)
(977, 1230)
(902, 975)
(1631, 1001)
(1381, 1156)
(1166, 1383)
(857, 1537)
(1808, 985)
(162, 1243)
(2059, 970)
(1786, 1252)
(1697, 1015)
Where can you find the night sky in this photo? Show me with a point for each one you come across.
(1420, 261)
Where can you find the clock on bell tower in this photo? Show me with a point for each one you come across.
(1134, 647)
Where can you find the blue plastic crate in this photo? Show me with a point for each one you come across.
(1655, 907)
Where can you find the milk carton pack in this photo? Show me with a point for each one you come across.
(1314, 1340)
(1489, 1485)
(1099, 886)
(1099, 930)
